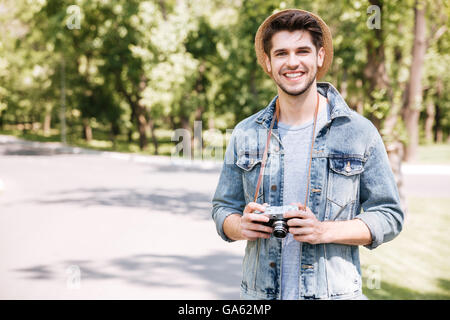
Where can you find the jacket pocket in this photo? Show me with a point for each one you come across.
(247, 161)
(343, 186)
(346, 166)
(343, 275)
(250, 163)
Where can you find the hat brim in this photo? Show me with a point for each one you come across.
(326, 35)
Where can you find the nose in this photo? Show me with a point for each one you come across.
(292, 61)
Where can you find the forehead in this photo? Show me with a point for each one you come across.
(291, 40)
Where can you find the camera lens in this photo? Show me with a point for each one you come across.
(280, 228)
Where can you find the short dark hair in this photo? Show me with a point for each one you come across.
(292, 21)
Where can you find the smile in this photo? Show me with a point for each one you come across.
(294, 76)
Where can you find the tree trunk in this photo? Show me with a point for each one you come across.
(197, 137)
(130, 130)
(171, 121)
(47, 123)
(142, 124)
(114, 131)
(429, 121)
(151, 127)
(413, 101)
(359, 105)
(1, 120)
(439, 135)
(138, 112)
(87, 130)
(162, 6)
(211, 124)
(184, 120)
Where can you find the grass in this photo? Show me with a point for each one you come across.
(101, 141)
(427, 154)
(415, 265)
(434, 153)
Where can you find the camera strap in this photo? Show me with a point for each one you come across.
(266, 149)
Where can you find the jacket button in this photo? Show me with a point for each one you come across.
(348, 168)
(273, 187)
(272, 265)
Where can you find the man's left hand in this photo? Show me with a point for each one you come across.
(304, 225)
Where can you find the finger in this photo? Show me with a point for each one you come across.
(292, 214)
(295, 222)
(300, 231)
(253, 235)
(299, 214)
(257, 227)
(304, 209)
(306, 238)
(253, 206)
(256, 217)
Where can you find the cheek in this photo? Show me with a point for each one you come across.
(275, 67)
(313, 61)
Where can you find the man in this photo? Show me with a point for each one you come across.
(307, 148)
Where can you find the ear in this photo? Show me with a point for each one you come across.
(320, 57)
(268, 65)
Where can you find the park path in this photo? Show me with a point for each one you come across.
(83, 224)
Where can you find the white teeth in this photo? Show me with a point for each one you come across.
(294, 75)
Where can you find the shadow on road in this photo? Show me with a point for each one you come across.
(218, 273)
(175, 201)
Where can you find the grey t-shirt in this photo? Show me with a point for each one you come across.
(296, 142)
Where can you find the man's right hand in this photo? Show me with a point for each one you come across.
(248, 226)
(251, 223)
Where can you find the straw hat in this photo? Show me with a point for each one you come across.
(326, 34)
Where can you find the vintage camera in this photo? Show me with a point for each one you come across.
(277, 222)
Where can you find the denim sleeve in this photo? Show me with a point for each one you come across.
(379, 196)
(229, 196)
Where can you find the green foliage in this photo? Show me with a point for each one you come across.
(181, 61)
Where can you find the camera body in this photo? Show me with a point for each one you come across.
(277, 221)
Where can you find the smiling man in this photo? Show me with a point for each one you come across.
(309, 149)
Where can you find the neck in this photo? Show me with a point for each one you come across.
(297, 110)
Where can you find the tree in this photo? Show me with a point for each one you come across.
(413, 102)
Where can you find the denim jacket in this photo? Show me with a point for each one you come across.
(350, 178)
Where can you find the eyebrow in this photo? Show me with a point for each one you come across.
(298, 48)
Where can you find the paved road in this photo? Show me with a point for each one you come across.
(80, 224)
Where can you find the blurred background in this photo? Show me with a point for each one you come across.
(91, 93)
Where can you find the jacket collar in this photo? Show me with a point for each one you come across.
(339, 107)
